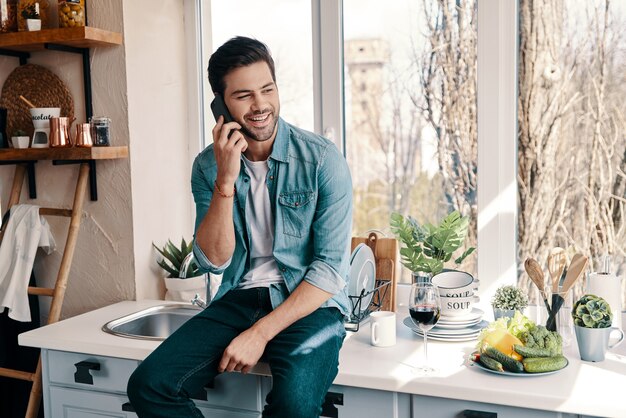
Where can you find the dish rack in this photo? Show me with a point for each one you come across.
(357, 314)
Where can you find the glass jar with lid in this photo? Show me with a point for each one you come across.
(71, 13)
(100, 131)
(8, 16)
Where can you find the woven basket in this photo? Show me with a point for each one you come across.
(41, 87)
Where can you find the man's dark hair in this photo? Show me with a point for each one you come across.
(235, 53)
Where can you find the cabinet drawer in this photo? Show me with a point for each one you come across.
(359, 402)
(432, 407)
(241, 391)
(85, 371)
(74, 403)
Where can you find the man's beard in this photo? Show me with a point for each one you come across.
(263, 134)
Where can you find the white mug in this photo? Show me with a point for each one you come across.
(383, 328)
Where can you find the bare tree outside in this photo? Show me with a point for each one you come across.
(447, 100)
(571, 141)
(571, 144)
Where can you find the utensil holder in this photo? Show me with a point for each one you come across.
(560, 317)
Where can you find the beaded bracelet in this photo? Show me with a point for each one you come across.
(222, 193)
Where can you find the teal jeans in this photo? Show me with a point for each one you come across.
(303, 359)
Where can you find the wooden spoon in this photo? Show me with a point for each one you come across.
(556, 264)
(536, 275)
(574, 271)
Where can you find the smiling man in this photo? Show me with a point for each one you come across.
(274, 210)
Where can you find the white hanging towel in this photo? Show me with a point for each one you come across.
(25, 231)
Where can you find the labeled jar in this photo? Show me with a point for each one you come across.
(71, 13)
(8, 16)
(100, 131)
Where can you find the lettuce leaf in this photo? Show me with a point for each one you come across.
(515, 326)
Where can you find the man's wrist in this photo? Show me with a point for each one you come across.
(261, 331)
(225, 191)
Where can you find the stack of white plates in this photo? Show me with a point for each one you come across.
(453, 328)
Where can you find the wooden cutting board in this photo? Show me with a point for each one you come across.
(386, 254)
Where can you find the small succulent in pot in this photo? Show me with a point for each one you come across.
(31, 11)
(173, 258)
(591, 311)
(509, 298)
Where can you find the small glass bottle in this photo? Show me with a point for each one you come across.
(8, 16)
(100, 131)
(71, 13)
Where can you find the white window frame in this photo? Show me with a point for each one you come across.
(497, 116)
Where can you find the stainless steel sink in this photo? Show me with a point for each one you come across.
(155, 323)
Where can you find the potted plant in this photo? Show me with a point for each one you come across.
(20, 139)
(184, 279)
(426, 248)
(507, 300)
(592, 323)
(31, 14)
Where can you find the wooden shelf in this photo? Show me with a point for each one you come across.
(63, 154)
(79, 37)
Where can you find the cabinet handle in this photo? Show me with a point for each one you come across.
(82, 374)
(329, 409)
(469, 413)
(127, 407)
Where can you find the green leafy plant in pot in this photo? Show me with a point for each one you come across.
(426, 248)
(181, 285)
(592, 323)
(507, 300)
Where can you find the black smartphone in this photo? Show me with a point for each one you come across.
(218, 107)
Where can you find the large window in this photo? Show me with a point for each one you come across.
(572, 146)
(285, 26)
(421, 93)
(410, 89)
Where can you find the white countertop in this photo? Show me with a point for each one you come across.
(581, 388)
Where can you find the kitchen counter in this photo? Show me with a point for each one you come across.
(581, 388)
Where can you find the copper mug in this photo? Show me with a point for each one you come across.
(60, 132)
(83, 135)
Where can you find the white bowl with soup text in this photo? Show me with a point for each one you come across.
(457, 306)
(455, 284)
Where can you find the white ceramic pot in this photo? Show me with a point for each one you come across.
(503, 313)
(20, 141)
(594, 342)
(184, 290)
(33, 24)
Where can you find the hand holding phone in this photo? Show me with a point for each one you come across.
(227, 153)
(218, 107)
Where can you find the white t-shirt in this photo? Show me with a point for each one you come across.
(263, 268)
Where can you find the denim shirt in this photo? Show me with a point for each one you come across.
(310, 190)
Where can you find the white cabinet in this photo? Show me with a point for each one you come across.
(76, 403)
(81, 385)
(432, 407)
(358, 402)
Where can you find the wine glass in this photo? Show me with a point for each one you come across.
(425, 309)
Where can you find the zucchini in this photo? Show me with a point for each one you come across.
(544, 364)
(527, 352)
(490, 363)
(509, 363)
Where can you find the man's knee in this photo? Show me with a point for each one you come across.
(144, 385)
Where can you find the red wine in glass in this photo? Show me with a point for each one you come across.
(425, 316)
(424, 308)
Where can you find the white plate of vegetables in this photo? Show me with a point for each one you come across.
(518, 347)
